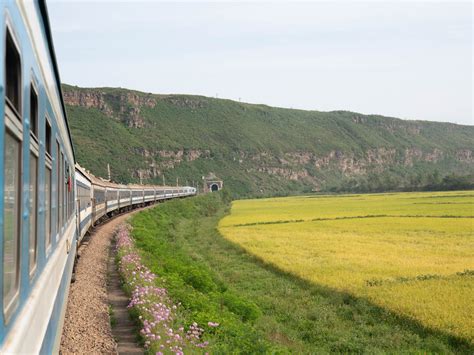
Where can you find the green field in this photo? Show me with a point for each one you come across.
(264, 307)
(409, 253)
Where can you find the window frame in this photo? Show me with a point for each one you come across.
(34, 150)
(13, 124)
(48, 162)
(59, 222)
(9, 32)
(34, 129)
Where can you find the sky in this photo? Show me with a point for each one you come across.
(405, 59)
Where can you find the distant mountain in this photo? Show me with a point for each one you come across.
(257, 149)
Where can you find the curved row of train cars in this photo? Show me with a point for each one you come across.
(47, 202)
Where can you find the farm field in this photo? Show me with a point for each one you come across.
(409, 253)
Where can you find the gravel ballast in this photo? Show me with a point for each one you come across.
(87, 326)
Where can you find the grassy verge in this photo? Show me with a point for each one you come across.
(260, 308)
(203, 296)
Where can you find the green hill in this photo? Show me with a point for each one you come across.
(257, 149)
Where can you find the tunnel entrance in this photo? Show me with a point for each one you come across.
(211, 183)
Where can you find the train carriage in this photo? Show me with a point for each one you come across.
(37, 209)
(99, 207)
(47, 202)
(111, 199)
(84, 201)
(137, 195)
(149, 195)
(125, 197)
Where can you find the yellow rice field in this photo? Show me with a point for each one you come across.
(411, 253)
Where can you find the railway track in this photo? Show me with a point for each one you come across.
(87, 327)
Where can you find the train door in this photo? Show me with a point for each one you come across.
(105, 200)
(94, 209)
(78, 218)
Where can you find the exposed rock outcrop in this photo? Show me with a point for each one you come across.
(295, 166)
(125, 107)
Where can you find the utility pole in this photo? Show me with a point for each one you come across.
(141, 179)
(108, 170)
(164, 183)
(177, 181)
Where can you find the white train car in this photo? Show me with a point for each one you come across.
(84, 201)
(37, 197)
(47, 203)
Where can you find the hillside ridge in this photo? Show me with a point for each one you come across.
(257, 149)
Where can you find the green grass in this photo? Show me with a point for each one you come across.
(159, 234)
(260, 307)
(112, 318)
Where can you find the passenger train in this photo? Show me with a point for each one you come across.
(47, 202)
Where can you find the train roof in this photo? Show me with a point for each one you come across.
(49, 38)
(106, 183)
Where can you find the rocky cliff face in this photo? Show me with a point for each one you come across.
(125, 107)
(297, 166)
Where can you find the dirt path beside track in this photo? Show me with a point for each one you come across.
(87, 327)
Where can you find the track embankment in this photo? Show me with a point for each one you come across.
(87, 328)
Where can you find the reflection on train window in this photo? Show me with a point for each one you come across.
(58, 189)
(47, 207)
(65, 191)
(13, 74)
(11, 216)
(61, 188)
(33, 111)
(99, 196)
(33, 209)
(111, 195)
(124, 194)
(84, 196)
(48, 147)
(70, 190)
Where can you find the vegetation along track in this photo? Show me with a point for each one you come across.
(261, 307)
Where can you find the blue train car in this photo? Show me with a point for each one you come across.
(37, 189)
(47, 203)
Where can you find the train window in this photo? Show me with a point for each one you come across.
(66, 191)
(84, 196)
(13, 74)
(47, 207)
(11, 223)
(63, 186)
(33, 209)
(47, 139)
(71, 191)
(59, 197)
(33, 111)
